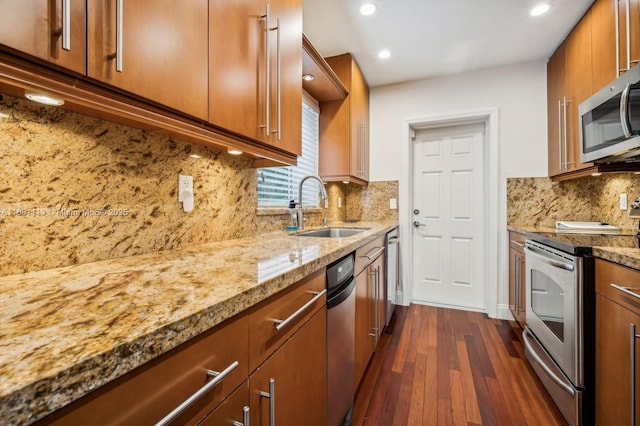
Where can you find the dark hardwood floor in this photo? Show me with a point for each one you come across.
(438, 366)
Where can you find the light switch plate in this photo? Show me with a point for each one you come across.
(623, 201)
(393, 203)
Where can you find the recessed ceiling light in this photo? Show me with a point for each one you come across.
(307, 77)
(44, 99)
(367, 9)
(540, 9)
(384, 54)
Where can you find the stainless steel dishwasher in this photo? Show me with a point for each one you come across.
(341, 323)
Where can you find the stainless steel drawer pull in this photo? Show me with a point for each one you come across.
(66, 24)
(280, 324)
(267, 73)
(218, 377)
(272, 401)
(626, 290)
(370, 256)
(245, 417)
(518, 243)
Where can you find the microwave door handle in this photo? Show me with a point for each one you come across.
(624, 111)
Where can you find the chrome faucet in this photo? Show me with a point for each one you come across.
(300, 211)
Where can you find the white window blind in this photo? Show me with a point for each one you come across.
(279, 185)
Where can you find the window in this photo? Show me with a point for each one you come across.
(279, 185)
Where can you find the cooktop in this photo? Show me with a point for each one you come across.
(582, 243)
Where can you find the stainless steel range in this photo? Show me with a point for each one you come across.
(559, 336)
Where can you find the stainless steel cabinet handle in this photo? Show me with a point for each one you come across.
(218, 377)
(544, 366)
(245, 417)
(272, 401)
(119, 34)
(632, 343)
(375, 254)
(626, 290)
(559, 135)
(617, 24)
(280, 324)
(267, 61)
(516, 282)
(628, 34)
(363, 137)
(564, 109)
(278, 131)
(518, 243)
(66, 24)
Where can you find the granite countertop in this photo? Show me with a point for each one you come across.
(629, 257)
(66, 331)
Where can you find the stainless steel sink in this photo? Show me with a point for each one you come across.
(332, 232)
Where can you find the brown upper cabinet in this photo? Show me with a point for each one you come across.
(50, 30)
(628, 34)
(569, 82)
(255, 70)
(584, 63)
(344, 127)
(156, 49)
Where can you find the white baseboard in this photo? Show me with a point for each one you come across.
(504, 313)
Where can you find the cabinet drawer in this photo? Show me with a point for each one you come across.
(263, 336)
(368, 253)
(619, 284)
(153, 390)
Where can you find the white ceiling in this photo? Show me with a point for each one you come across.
(429, 38)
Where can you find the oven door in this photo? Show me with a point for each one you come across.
(554, 292)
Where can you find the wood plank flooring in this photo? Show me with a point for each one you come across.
(438, 366)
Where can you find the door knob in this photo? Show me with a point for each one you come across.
(418, 224)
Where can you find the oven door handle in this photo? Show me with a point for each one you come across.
(554, 263)
(558, 380)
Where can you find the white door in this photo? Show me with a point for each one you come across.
(448, 216)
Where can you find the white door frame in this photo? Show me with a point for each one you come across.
(490, 118)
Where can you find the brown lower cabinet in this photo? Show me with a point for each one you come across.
(517, 277)
(273, 371)
(291, 385)
(617, 344)
(370, 304)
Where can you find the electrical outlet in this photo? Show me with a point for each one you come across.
(393, 203)
(339, 202)
(623, 201)
(185, 185)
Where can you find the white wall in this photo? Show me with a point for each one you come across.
(518, 92)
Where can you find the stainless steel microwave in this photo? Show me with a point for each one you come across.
(610, 121)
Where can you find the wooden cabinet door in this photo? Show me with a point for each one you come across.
(613, 368)
(232, 411)
(578, 87)
(163, 53)
(236, 66)
(377, 268)
(517, 277)
(359, 103)
(238, 70)
(603, 42)
(35, 27)
(629, 55)
(555, 111)
(286, 99)
(299, 373)
(364, 325)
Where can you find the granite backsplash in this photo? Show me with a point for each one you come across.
(79, 190)
(539, 201)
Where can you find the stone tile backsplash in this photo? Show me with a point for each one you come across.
(539, 201)
(77, 190)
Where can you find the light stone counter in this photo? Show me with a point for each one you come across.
(66, 331)
(625, 256)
